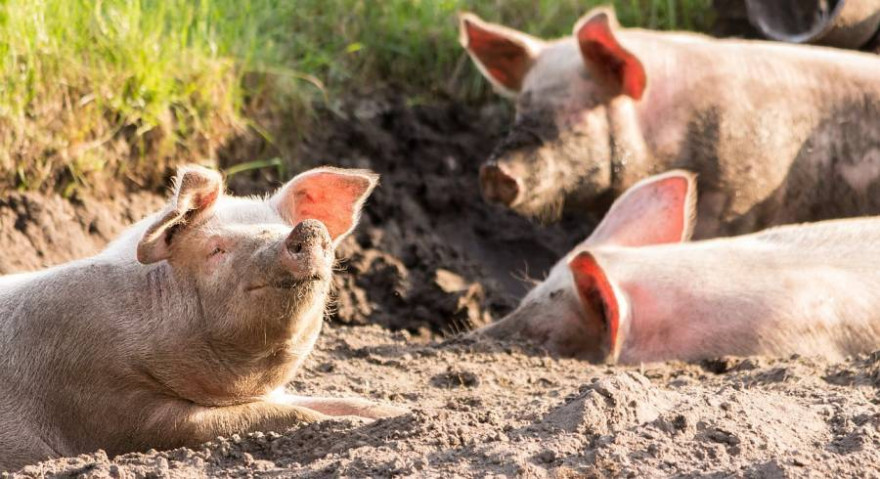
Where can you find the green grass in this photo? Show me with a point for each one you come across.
(93, 90)
(416, 42)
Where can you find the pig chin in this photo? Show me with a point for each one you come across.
(544, 207)
(290, 297)
(287, 284)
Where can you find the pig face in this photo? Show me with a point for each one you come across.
(560, 148)
(579, 310)
(255, 264)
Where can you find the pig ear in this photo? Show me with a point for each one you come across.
(599, 297)
(333, 196)
(660, 209)
(503, 55)
(605, 57)
(196, 190)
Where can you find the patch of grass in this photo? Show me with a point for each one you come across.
(415, 43)
(92, 90)
(108, 86)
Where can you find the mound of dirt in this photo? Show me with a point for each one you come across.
(37, 231)
(504, 409)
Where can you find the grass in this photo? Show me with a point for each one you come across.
(93, 90)
(416, 42)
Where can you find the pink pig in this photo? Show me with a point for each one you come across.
(635, 291)
(777, 133)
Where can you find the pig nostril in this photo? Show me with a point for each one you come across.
(498, 185)
(308, 236)
(508, 190)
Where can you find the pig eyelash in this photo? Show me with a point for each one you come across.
(217, 250)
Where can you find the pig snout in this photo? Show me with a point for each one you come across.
(307, 250)
(498, 184)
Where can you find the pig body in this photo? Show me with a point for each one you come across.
(811, 290)
(777, 133)
(628, 295)
(185, 328)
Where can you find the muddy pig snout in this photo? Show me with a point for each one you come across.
(499, 185)
(307, 249)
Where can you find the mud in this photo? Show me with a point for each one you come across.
(431, 258)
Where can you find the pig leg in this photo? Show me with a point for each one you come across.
(339, 406)
(347, 407)
(24, 449)
(176, 425)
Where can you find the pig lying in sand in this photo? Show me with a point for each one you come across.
(185, 328)
(777, 133)
(634, 292)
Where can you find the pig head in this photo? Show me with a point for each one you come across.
(185, 328)
(577, 310)
(251, 278)
(777, 133)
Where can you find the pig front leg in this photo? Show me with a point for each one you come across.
(340, 406)
(175, 425)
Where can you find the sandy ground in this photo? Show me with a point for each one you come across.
(507, 410)
(431, 259)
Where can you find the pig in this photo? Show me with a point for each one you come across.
(185, 328)
(637, 291)
(778, 133)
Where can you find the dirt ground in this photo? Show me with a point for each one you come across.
(506, 410)
(431, 259)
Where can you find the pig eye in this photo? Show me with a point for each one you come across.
(217, 250)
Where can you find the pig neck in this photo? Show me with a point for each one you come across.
(630, 158)
(150, 326)
(703, 93)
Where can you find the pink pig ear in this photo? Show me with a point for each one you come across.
(660, 209)
(606, 57)
(600, 299)
(333, 196)
(196, 190)
(504, 56)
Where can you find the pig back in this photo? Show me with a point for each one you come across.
(778, 133)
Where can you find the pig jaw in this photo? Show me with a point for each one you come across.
(241, 368)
